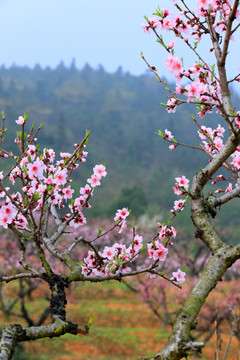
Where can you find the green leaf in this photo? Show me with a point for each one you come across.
(162, 43)
(163, 272)
(158, 12)
(133, 223)
(160, 133)
(25, 116)
(3, 115)
(81, 263)
(36, 196)
(184, 269)
(101, 229)
(90, 321)
(87, 132)
(143, 248)
(59, 330)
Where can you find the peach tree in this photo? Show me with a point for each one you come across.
(47, 218)
(207, 86)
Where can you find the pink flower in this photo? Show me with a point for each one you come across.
(94, 181)
(160, 253)
(194, 90)
(173, 64)
(65, 155)
(121, 214)
(236, 160)
(168, 134)
(179, 204)
(171, 44)
(67, 193)
(109, 253)
(31, 152)
(137, 243)
(100, 171)
(177, 191)
(35, 170)
(85, 191)
(61, 177)
(182, 182)
(145, 28)
(78, 221)
(20, 120)
(157, 252)
(171, 105)
(220, 130)
(21, 222)
(218, 143)
(7, 214)
(178, 276)
(229, 188)
(49, 154)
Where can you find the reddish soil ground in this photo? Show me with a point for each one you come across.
(123, 328)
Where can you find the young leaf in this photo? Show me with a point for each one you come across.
(90, 321)
(101, 229)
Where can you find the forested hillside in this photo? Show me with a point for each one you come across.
(123, 113)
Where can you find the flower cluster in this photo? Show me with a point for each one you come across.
(157, 251)
(236, 159)
(212, 139)
(181, 185)
(46, 181)
(204, 87)
(113, 259)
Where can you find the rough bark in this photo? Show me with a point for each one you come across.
(13, 334)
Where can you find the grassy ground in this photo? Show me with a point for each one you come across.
(124, 328)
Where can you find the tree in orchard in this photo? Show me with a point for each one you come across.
(207, 86)
(47, 219)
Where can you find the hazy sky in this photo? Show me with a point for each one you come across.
(106, 32)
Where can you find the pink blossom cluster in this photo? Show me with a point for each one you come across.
(186, 22)
(181, 185)
(204, 87)
(180, 188)
(157, 251)
(46, 182)
(99, 171)
(120, 218)
(236, 158)
(212, 139)
(214, 6)
(45, 187)
(179, 205)
(166, 232)
(113, 259)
